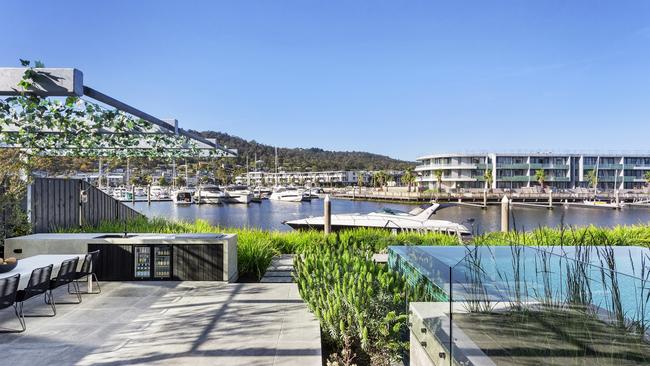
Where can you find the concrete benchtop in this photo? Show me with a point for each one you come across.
(64, 243)
(134, 238)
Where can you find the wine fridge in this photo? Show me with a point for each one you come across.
(152, 262)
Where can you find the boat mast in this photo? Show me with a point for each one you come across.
(248, 175)
(187, 177)
(276, 165)
(596, 178)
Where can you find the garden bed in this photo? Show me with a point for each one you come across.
(553, 338)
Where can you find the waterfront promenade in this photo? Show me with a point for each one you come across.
(478, 196)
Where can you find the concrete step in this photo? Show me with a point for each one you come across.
(277, 279)
(270, 273)
(280, 268)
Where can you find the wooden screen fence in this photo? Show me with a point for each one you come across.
(55, 204)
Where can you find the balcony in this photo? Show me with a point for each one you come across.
(610, 179)
(514, 178)
(513, 166)
(445, 166)
(610, 166)
(558, 179)
(556, 166)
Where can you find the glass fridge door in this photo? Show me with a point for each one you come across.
(142, 259)
(162, 261)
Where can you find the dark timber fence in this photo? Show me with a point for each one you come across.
(56, 204)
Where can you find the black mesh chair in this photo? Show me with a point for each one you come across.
(66, 276)
(39, 284)
(88, 271)
(8, 291)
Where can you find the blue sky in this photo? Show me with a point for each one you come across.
(401, 78)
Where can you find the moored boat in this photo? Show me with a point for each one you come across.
(418, 219)
(239, 194)
(287, 194)
(209, 193)
(183, 196)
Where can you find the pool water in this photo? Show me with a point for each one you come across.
(610, 280)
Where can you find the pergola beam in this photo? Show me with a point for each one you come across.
(64, 82)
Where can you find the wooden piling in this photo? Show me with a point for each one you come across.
(505, 214)
(485, 198)
(327, 217)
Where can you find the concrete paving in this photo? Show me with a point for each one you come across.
(165, 323)
(280, 270)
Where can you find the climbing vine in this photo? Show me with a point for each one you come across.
(73, 126)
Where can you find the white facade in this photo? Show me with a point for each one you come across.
(518, 170)
(334, 177)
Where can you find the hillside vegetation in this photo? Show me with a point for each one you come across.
(306, 159)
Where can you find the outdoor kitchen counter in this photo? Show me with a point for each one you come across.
(54, 243)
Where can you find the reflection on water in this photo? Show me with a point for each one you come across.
(270, 214)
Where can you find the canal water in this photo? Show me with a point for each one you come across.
(269, 215)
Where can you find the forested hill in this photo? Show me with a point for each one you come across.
(306, 159)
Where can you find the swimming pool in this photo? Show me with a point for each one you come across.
(614, 281)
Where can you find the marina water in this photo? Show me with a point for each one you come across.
(269, 215)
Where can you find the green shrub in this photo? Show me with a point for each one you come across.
(362, 306)
(254, 253)
(571, 236)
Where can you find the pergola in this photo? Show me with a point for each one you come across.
(67, 82)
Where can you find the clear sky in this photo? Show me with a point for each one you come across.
(401, 78)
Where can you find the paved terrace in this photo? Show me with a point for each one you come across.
(168, 323)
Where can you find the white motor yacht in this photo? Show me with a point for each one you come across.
(159, 193)
(183, 196)
(417, 219)
(209, 193)
(287, 194)
(239, 194)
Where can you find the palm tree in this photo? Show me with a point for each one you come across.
(540, 176)
(408, 178)
(438, 175)
(380, 178)
(488, 178)
(592, 178)
(359, 179)
(647, 177)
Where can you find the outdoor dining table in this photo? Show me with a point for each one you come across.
(27, 265)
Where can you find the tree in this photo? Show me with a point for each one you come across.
(438, 174)
(180, 181)
(360, 179)
(162, 181)
(592, 178)
(540, 176)
(646, 176)
(380, 178)
(408, 178)
(488, 178)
